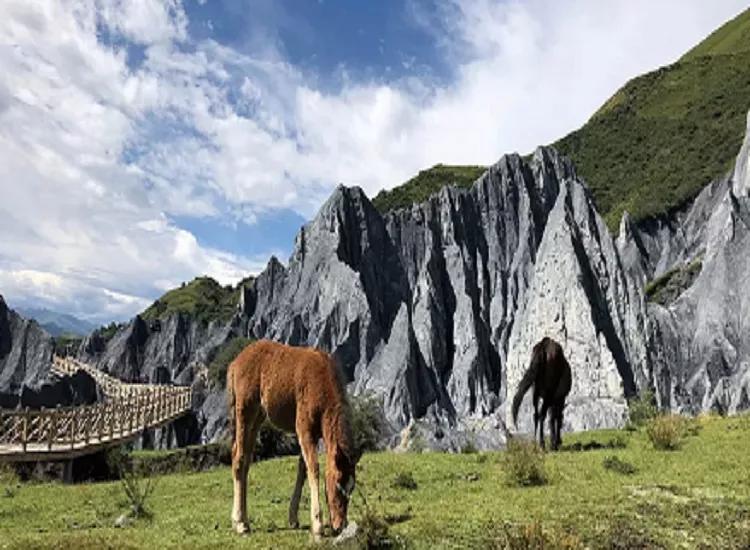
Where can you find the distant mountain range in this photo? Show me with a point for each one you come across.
(56, 323)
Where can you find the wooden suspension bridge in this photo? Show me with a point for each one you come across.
(69, 432)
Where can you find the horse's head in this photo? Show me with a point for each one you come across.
(340, 481)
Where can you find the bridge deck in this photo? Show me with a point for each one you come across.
(63, 433)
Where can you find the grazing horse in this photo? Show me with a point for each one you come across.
(549, 373)
(299, 390)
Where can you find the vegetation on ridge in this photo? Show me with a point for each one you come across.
(656, 142)
(203, 298)
(424, 184)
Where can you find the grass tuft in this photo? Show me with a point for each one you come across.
(531, 536)
(642, 409)
(405, 480)
(524, 464)
(666, 432)
(615, 464)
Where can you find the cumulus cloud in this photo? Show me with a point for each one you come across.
(98, 151)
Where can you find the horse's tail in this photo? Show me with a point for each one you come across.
(231, 399)
(526, 382)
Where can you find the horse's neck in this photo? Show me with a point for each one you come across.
(336, 428)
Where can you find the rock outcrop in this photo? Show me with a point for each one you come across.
(699, 343)
(25, 355)
(435, 308)
(174, 350)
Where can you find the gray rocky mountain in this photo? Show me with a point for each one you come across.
(435, 308)
(699, 343)
(25, 355)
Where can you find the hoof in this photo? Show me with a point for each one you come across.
(241, 527)
(294, 524)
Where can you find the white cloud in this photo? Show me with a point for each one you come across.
(96, 155)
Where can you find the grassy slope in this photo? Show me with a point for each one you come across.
(424, 184)
(699, 494)
(659, 139)
(202, 297)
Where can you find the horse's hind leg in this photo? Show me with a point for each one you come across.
(248, 419)
(557, 420)
(297, 493)
(542, 420)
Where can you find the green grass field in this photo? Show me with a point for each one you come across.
(695, 497)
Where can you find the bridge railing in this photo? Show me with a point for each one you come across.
(128, 410)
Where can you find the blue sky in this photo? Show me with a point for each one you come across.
(145, 142)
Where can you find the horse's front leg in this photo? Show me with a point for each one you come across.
(309, 452)
(297, 494)
(247, 424)
(240, 466)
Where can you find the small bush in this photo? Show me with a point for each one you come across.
(368, 422)
(273, 442)
(469, 448)
(217, 369)
(524, 463)
(404, 480)
(138, 482)
(9, 481)
(618, 465)
(373, 529)
(643, 408)
(666, 432)
(531, 536)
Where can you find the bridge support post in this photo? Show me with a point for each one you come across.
(68, 471)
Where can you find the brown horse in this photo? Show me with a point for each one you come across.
(549, 373)
(299, 390)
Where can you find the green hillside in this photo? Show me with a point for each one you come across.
(631, 496)
(657, 141)
(732, 37)
(203, 298)
(424, 184)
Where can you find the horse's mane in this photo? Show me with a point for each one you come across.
(340, 419)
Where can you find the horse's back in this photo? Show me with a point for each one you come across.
(279, 376)
(556, 371)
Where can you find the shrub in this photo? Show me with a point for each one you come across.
(531, 536)
(618, 465)
(372, 530)
(368, 422)
(217, 369)
(666, 432)
(274, 442)
(524, 463)
(138, 481)
(469, 448)
(643, 408)
(404, 480)
(9, 481)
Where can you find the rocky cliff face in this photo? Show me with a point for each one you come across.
(25, 355)
(699, 343)
(436, 308)
(174, 350)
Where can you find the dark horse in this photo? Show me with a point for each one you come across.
(549, 373)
